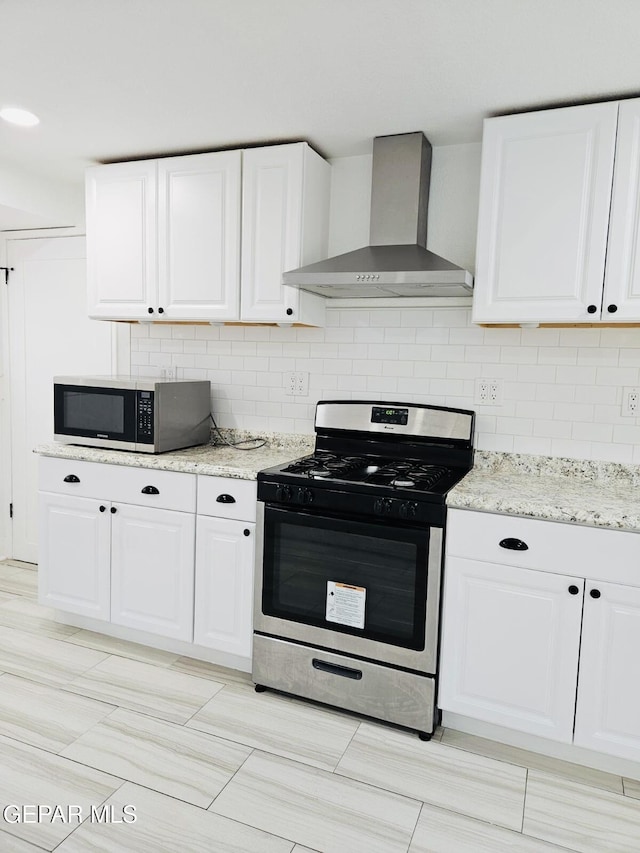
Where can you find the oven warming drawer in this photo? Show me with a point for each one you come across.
(399, 697)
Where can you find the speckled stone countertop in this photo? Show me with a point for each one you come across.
(218, 460)
(600, 494)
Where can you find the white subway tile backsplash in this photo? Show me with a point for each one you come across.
(562, 388)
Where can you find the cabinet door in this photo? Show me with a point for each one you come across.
(152, 570)
(199, 236)
(121, 240)
(224, 585)
(622, 280)
(272, 206)
(73, 573)
(510, 646)
(608, 707)
(544, 212)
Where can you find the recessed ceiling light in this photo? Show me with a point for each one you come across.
(16, 115)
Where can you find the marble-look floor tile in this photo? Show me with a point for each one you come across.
(204, 669)
(43, 716)
(165, 825)
(123, 648)
(631, 788)
(20, 564)
(317, 809)
(153, 690)
(278, 725)
(581, 818)
(534, 760)
(11, 844)
(168, 758)
(20, 582)
(30, 776)
(442, 831)
(28, 615)
(451, 778)
(43, 658)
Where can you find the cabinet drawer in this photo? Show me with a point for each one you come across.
(226, 497)
(119, 483)
(68, 477)
(592, 552)
(148, 487)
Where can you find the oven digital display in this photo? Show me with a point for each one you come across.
(389, 415)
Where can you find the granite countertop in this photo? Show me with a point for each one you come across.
(599, 494)
(211, 459)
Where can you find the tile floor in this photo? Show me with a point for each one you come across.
(209, 765)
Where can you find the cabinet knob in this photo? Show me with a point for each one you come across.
(160, 310)
(592, 309)
(514, 545)
(113, 510)
(102, 508)
(71, 478)
(573, 589)
(289, 312)
(595, 593)
(225, 499)
(612, 309)
(246, 531)
(150, 310)
(150, 490)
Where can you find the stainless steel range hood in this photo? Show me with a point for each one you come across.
(397, 262)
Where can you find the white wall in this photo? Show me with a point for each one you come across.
(562, 387)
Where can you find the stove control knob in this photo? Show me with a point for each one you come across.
(413, 509)
(408, 509)
(305, 496)
(283, 493)
(382, 506)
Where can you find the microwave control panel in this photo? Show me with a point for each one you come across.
(144, 420)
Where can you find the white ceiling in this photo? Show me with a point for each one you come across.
(116, 79)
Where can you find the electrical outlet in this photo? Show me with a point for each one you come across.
(168, 373)
(296, 383)
(631, 402)
(488, 392)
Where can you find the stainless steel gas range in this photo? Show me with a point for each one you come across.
(349, 563)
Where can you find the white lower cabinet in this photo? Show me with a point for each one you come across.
(152, 570)
(510, 646)
(608, 707)
(75, 560)
(542, 638)
(225, 554)
(124, 545)
(224, 585)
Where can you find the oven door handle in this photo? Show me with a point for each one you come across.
(336, 669)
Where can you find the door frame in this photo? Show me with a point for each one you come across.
(120, 363)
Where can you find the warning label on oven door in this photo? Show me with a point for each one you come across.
(345, 604)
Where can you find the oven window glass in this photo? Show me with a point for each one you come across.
(94, 412)
(380, 570)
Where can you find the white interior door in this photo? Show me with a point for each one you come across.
(49, 334)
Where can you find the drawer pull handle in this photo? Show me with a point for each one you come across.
(514, 545)
(225, 499)
(113, 510)
(102, 508)
(595, 593)
(150, 490)
(246, 531)
(336, 669)
(573, 589)
(71, 478)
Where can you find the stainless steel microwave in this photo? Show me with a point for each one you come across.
(131, 413)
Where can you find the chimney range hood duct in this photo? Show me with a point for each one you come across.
(397, 262)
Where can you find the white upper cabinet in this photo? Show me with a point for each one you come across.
(121, 240)
(165, 237)
(199, 236)
(285, 204)
(545, 199)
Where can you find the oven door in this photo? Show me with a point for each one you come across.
(367, 588)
